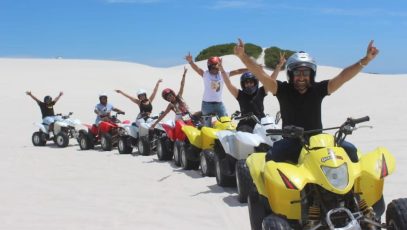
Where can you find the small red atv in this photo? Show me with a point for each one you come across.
(106, 133)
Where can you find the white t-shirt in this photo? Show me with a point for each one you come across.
(213, 86)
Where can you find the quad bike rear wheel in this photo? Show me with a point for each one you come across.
(62, 139)
(39, 139)
(124, 146)
(396, 214)
(85, 141)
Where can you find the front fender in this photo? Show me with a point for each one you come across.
(249, 139)
(375, 166)
(193, 134)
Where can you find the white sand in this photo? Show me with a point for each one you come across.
(53, 188)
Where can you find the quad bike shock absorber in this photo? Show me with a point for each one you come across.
(368, 212)
(314, 213)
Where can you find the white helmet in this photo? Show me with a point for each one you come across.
(102, 95)
(300, 59)
(141, 92)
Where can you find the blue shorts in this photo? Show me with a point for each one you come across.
(213, 108)
(51, 119)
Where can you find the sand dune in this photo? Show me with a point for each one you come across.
(52, 188)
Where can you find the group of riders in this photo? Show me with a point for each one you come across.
(300, 97)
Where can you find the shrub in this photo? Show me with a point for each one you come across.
(272, 56)
(226, 49)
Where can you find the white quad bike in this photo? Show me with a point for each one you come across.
(236, 146)
(64, 129)
(147, 144)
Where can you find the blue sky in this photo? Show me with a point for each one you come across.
(160, 32)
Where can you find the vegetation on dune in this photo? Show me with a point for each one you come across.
(226, 49)
(271, 55)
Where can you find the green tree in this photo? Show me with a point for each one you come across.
(226, 49)
(272, 56)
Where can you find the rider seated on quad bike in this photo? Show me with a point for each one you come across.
(176, 103)
(103, 109)
(142, 101)
(250, 96)
(47, 109)
(301, 97)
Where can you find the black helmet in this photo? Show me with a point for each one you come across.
(47, 99)
(249, 76)
(301, 59)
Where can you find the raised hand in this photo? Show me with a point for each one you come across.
(189, 58)
(118, 91)
(282, 59)
(372, 51)
(28, 93)
(239, 48)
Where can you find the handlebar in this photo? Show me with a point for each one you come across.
(292, 131)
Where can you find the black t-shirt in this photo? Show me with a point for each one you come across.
(252, 103)
(303, 110)
(47, 110)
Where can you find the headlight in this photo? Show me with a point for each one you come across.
(338, 177)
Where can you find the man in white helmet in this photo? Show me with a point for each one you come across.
(300, 97)
(103, 109)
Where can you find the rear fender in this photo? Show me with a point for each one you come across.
(193, 134)
(42, 127)
(375, 166)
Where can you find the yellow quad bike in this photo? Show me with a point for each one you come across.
(198, 147)
(325, 190)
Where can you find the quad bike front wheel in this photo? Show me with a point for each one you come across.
(143, 146)
(39, 139)
(62, 139)
(273, 222)
(257, 212)
(124, 146)
(163, 151)
(396, 214)
(176, 153)
(221, 178)
(186, 163)
(243, 180)
(106, 142)
(207, 163)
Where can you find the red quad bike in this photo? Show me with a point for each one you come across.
(106, 134)
(175, 134)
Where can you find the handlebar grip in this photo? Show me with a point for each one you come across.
(360, 120)
(274, 132)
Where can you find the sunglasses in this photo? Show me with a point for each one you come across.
(304, 72)
(169, 96)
